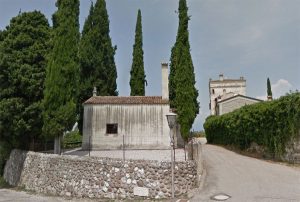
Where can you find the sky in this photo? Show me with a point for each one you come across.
(255, 39)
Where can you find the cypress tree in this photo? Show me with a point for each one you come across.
(60, 94)
(137, 73)
(269, 90)
(96, 56)
(183, 94)
(23, 49)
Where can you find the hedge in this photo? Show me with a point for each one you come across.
(270, 124)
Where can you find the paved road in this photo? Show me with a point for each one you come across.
(8, 195)
(247, 179)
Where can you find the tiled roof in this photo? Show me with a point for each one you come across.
(126, 100)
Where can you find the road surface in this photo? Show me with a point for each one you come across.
(247, 179)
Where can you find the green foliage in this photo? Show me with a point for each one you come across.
(183, 94)
(62, 78)
(269, 124)
(3, 183)
(72, 140)
(23, 49)
(269, 90)
(137, 73)
(198, 134)
(5, 149)
(96, 56)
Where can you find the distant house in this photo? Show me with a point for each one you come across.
(139, 121)
(232, 103)
(227, 95)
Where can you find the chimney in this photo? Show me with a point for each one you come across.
(164, 81)
(94, 91)
(221, 76)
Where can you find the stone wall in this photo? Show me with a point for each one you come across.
(292, 154)
(92, 177)
(223, 86)
(195, 154)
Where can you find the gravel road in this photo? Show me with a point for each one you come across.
(247, 179)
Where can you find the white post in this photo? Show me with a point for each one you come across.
(57, 149)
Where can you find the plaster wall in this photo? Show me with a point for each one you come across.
(232, 104)
(143, 126)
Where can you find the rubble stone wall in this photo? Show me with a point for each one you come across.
(94, 177)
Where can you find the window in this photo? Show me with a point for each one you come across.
(112, 128)
(224, 90)
(213, 91)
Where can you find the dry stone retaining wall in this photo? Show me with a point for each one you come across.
(100, 177)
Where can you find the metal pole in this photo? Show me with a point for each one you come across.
(89, 145)
(184, 150)
(172, 163)
(123, 147)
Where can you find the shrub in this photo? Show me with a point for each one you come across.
(4, 155)
(270, 124)
(72, 140)
(3, 183)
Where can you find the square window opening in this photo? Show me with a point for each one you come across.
(112, 128)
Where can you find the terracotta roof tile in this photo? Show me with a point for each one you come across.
(126, 100)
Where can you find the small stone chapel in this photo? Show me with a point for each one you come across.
(138, 121)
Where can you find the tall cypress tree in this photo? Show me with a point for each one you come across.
(183, 94)
(23, 49)
(269, 90)
(96, 56)
(137, 73)
(60, 94)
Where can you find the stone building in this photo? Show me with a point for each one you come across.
(139, 121)
(232, 103)
(227, 95)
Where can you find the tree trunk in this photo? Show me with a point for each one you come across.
(57, 146)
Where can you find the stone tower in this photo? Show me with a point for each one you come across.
(224, 88)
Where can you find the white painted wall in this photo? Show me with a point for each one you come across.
(144, 126)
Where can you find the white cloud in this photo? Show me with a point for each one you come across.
(280, 88)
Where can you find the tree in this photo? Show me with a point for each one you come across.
(183, 94)
(62, 77)
(137, 73)
(96, 56)
(269, 90)
(23, 49)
